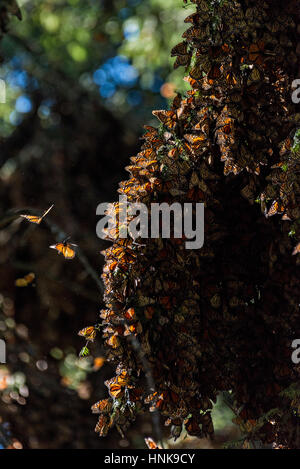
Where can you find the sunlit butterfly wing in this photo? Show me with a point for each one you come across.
(296, 249)
(167, 118)
(34, 218)
(89, 333)
(102, 407)
(151, 443)
(25, 281)
(65, 249)
(103, 425)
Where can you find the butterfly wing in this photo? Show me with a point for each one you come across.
(296, 249)
(68, 252)
(25, 281)
(88, 332)
(64, 249)
(32, 219)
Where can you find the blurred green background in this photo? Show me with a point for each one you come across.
(116, 51)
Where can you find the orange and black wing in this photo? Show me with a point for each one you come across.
(32, 218)
(65, 249)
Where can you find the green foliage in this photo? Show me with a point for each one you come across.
(63, 42)
(296, 145)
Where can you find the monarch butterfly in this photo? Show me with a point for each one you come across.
(122, 377)
(231, 79)
(115, 390)
(149, 311)
(167, 118)
(65, 249)
(103, 425)
(113, 342)
(25, 281)
(296, 249)
(275, 209)
(254, 76)
(162, 401)
(256, 52)
(34, 218)
(107, 314)
(214, 72)
(197, 34)
(116, 384)
(102, 407)
(133, 329)
(196, 142)
(135, 394)
(196, 72)
(192, 427)
(88, 332)
(151, 443)
(216, 51)
(98, 363)
(130, 314)
(182, 61)
(180, 49)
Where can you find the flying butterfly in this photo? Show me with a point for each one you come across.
(25, 281)
(296, 249)
(98, 363)
(65, 248)
(34, 218)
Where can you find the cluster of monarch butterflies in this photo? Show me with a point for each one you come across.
(223, 317)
